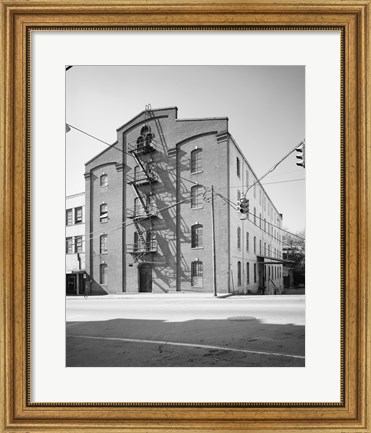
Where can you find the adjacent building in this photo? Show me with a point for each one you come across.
(149, 212)
(75, 244)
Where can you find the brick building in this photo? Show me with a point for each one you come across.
(75, 240)
(148, 211)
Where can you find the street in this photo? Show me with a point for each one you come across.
(185, 330)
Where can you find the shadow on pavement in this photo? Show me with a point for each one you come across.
(102, 344)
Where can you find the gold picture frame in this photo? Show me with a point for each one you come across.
(18, 413)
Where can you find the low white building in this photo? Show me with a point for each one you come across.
(75, 244)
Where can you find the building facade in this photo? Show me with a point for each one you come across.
(75, 244)
(149, 212)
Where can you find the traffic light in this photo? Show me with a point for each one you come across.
(239, 209)
(300, 156)
(245, 205)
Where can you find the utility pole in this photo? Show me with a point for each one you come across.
(213, 239)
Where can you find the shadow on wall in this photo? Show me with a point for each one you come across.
(105, 343)
(93, 288)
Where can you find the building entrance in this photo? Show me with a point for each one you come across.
(145, 277)
(261, 275)
(71, 284)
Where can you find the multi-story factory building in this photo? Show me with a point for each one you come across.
(149, 212)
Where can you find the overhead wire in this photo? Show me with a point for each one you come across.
(196, 183)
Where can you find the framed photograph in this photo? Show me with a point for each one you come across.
(185, 198)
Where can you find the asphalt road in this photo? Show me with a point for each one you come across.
(184, 330)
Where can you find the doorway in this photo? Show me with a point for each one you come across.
(145, 277)
(71, 284)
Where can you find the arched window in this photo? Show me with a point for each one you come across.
(145, 130)
(238, 273)
(197, 235)
(136, 241)
(196, 274)
(140, 142)
(137, 173)
(196, 160)
(103, 244)
(196, 196)
(103, 217)
(103, 274)
(138, 207)
(238, 237)
(104, 180)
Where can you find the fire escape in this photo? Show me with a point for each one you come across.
(142, 181)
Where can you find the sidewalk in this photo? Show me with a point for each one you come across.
(182, 296)
(173, 295)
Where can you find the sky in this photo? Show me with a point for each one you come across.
(265, 106)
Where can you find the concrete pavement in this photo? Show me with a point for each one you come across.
(186, 330)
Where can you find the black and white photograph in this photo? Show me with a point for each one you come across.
(185, 216)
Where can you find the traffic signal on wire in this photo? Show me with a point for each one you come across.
(300, 156)
(245, 205)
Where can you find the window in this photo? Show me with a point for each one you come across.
(151, 240)
(78, 244)
(238, 237)
(196, 197)
(255, 244)
(260, 247)
(138, 207)
(104, 180)
(196, 274)
(254, 189)
(238, 166)
(238, 273)
(255, 215)
(197, 236)
(247, 273)
(103, 213)
(247, 178)
(78, 215)
(103, 244)
(238, 194)
(69, 246)
(265, 249)
(145, 130)
(260, 196)
(260, 220)
(136, 241)
(265, 225)
(137, 173)
(269, 250)
(196, 160)
(103, 273)
(254, 272)
(69, 220)
(247, 241)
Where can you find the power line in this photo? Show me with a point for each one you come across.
(265, 183)
(273, 168)
(206, 189)
(259, 218)
(126, 223)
